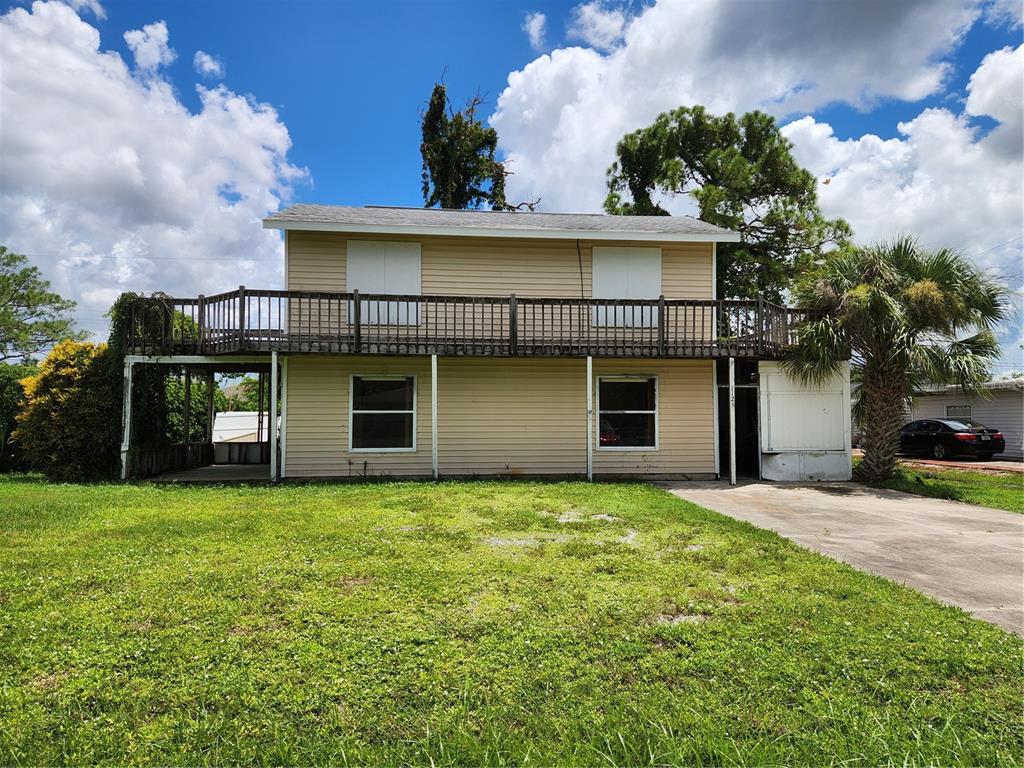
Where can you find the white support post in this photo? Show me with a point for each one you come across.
(732, 421)
(433, 415)
(126, 420)
(590, 418)
(714, 417)
(273, 417)
(283, 472)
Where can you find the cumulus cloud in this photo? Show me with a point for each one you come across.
(149, 46)
(535, 27)
(561, 114)
(996, 89)
(208, 65)
(598, 25)
(110, 183)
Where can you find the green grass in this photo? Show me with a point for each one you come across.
(999, 490)
(464, 623)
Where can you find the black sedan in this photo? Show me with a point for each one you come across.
(945, 438)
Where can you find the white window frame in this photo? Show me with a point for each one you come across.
(351, 412)
(657, 420)
(969, 415)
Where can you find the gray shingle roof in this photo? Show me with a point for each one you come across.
(342, 218)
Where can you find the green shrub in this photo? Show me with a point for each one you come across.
(70, 424)
(12, 397)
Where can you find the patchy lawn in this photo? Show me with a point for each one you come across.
(999, 490)
(479, 623)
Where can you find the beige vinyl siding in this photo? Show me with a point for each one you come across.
(465, 266)
(318, 417)
(686, 427)
(518, 417)
(497, 416)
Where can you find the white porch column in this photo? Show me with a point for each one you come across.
(433, 415)
(273, 416)
(590, 418)
(732, 421)
(126, 419)
(284, 417)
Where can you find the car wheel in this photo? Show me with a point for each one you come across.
(984, 456)
(939, 451)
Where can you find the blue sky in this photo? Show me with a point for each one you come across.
(126, 168)
(351, 104)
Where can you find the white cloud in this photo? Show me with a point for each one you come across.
(561, 115)
(110, 183)
(149, 45)
(93, 6)
(208, 65)
(1005, 12)
(598, 25)
(535, 27)
(996, 89)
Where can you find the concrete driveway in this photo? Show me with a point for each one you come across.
(965, 555)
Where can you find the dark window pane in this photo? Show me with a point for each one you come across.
(635, 395)
(382, 430)
(381, 394)
(627, 430)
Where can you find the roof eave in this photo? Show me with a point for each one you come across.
(724, 236)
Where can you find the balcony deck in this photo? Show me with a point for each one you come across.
(262, 321)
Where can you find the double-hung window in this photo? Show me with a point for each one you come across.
(381, 266)
(627, 410)
(382, 413)
(626, 272)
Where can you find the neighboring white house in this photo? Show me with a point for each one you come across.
(1001, 407)
(240, 427)
(239, 437)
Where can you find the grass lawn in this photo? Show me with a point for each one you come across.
(999, 490)
(468, 623)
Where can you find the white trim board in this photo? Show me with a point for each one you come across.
(588, 235)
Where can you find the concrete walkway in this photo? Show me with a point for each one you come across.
(962, 554)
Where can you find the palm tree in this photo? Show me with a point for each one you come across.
(904, 316)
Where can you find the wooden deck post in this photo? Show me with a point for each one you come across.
(273, 417)
(241, 317)
(126, 420)
(732, 421)
(661, 326)
(356, 322)
(513, 325)
(209, 406)
(188, 405)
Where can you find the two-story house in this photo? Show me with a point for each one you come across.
(438, 343)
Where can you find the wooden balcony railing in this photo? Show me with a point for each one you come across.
(260, 321)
